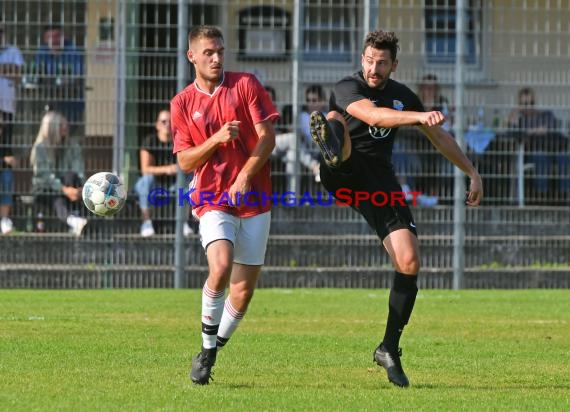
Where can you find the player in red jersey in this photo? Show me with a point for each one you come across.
(222, 127)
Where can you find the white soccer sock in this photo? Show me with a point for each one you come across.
(212, 307)
(229, 323)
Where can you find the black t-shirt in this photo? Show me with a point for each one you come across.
(374, 142)
(162, 154)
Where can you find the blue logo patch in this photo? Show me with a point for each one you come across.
(398, 105)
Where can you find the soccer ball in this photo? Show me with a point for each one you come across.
(104, 194)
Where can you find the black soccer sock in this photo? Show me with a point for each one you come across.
(401, 303)
(338, 130)
(221, 342)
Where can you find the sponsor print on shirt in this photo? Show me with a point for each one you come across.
(382, 132)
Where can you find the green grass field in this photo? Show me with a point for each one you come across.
(296, 350)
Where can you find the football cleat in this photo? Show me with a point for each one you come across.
(391, 362)
(201, 372)
(329, 144)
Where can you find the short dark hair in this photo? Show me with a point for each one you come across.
(271, 91)
(382, 40)
(162, 109)
(52, 26)
(207, 31)
(317, 89)
(527, 91)
(429, 78)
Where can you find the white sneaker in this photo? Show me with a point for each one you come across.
(317, 172)
(76, 224)
(187, 230)
(6, 225)
(318, 177)
(146, 229)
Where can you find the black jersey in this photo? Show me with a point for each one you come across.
(375, 142)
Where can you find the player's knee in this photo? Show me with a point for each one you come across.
(220, 270)
(409, 264)
(333, 115)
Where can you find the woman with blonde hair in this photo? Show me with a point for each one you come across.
(57, 164)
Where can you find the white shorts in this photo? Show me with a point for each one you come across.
(248, 235)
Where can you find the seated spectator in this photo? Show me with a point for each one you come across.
(409, 162)
(158, 169)
(547, 146)
(61, 69)
(315, 100)
(284, 124)
(6, 177)
(429, 92)
(11, 63)
(57, 164)
(272, 93)
(308, 155)
(407, 166)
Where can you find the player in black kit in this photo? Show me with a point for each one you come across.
(356, 139)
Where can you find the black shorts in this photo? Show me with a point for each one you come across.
(385, 210)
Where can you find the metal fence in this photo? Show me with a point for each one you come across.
(121, 65)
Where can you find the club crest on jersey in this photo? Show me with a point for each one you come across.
(398, 105)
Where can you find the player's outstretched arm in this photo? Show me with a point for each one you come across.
(369, 113)
(475, 192)
(447, 146)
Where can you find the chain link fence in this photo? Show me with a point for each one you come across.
(118, 67)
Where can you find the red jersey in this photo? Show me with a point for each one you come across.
(196, 115)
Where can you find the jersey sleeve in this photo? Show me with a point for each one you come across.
(416, 104)
(345, 92)
(181, 137)
(260, 104)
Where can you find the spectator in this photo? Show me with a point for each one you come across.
(57, 163)
(284, 123)
(406, 153)
(11, 62)
(548, 147)
(315, 100)
(272, 93)
(429, 92)
(61, 75)
(158, 169)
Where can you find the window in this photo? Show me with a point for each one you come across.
(440, 31)
(264, 33)
(202, 14)
(329, 30)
